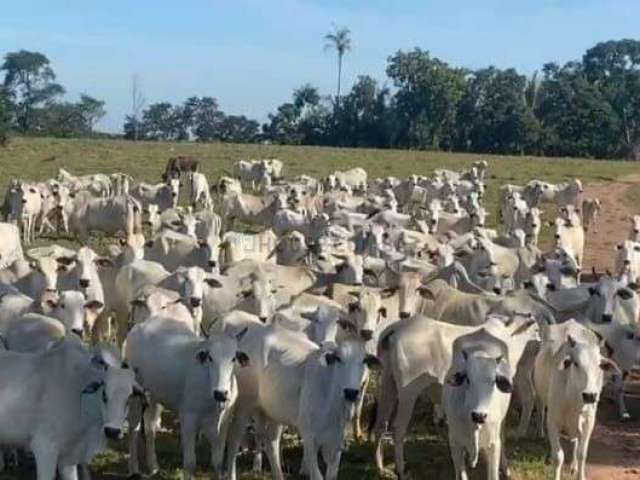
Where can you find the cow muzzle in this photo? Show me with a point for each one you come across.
(112, 433)
(78, 332)
(404, 315)
(220, 396)
(589, 398)
(195, 302)
(607, 317)
(478, 418)
(351, 394)
(84, 283)
(366, 334)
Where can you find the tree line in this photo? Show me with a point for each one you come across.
(586, 108)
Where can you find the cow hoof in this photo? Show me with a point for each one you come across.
(625, 417)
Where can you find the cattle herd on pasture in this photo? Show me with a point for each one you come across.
(256, 303)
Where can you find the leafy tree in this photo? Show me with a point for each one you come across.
(283, 125)
(614, 68)
(5, 117)
(340, 41)
(157, 121)
(576, 116)
(363, 119)
(494, 115)
(91, 110)
(238, 129)
(207, 118)
(426, 100)
(30, 81)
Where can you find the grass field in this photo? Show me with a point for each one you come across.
(427, 451)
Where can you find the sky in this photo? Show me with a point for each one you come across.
(251, 54)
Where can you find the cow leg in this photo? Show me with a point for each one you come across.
(557, 454)
(527, 396)
(459, 464)
(188, 433)
(46, 456)
(151, 420)
(133, 418)
(272, 434)
(387, 399)
(236, 431)
(493, 460)
(406, 401)
(216, 440)
(542, 416)
(83, 471)
(357, 431)
(310, 467)
(68, 472)
(618, 392)
(332, 459)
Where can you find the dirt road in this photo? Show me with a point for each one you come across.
(615, 446)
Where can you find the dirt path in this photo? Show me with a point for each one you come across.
(615, 446)
(613, 224)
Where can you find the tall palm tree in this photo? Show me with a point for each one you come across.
(339, 40)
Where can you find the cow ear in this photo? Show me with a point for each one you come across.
(426, 293)
(240, 335)
(383, 312)
(203, 356)
(504, 384)
(371, 361)
(92, 388)
(609, 366)
(65, 260)
(213, 283)
(457, 379)
(242, 358)
(93, 305)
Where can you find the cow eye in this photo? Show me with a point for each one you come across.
(61, 305)
(625, 294)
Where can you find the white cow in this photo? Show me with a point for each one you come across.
(475, 396)
(68, 403)
(190, 376)
(10, 246)
(200, 195)
(568, 378)
(288, 377)
(165, 195)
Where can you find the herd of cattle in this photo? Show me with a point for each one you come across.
(245, 313)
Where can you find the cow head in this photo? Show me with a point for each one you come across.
(219, 354)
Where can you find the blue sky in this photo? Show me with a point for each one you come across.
(251, 54)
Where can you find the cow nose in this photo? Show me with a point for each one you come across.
(607, 317)
(213, 263)
(627, 262)
(220, 396)
(112, 433)
(84, 283)
(263, 319)
(24, 201)
(77, 331)
(589, 398)
(557, 236)
(195, 302)
(497, 290)
(405, 314)
(366, 334)
(174, 194)
(478, 418)
(351, 394)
